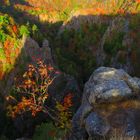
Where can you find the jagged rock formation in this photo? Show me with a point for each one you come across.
(29, 52)
(33, 51)
(115, 45)
(110, 103)
(117, 27)
(77, 19)
(63, 84)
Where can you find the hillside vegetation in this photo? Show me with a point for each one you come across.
(79, 36)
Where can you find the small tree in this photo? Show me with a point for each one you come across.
(31, 94)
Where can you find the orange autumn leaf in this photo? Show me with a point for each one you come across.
(15, 29)
(68, 101)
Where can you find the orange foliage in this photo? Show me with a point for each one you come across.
(8, 46)
(11, 52)
(100, 11)
(15, 29)
(94, 8)
(1, 70)
(25, 104)
(68, 101)
(32, 89)
(138, 1)
(121, 11)
(64, 113)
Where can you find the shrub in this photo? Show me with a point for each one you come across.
(31, 94)
(73, 49)
(24, 30)
(114, 44)
(3, 36)
(48, 131)
(33, 90)
(4, 20)
(64, 114)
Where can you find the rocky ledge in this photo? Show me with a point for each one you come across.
(110, 104)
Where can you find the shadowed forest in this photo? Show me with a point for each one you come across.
(65, 69)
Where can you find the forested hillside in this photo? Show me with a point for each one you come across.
(48, 51)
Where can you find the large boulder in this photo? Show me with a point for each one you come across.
(110, 103)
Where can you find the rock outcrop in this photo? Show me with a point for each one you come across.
(78, 19)
(29, 52)
(33, 51)
(116, 34)
(110, 103)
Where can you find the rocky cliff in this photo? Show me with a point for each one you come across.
(110, 104)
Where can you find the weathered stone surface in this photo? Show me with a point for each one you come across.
(121, 58)
(81, 114)
(96, 125)
(110, 91)
(45, 45)
(110, 85)
(110, 103)
(33, 51)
